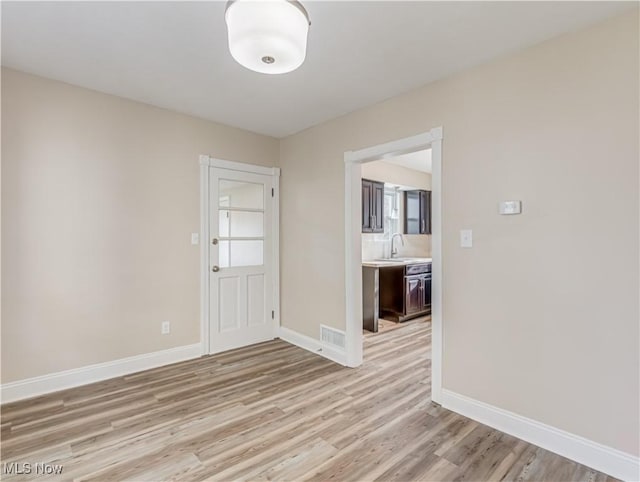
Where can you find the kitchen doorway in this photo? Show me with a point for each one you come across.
(353, 244)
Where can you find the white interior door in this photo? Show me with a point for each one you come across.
(241, 279)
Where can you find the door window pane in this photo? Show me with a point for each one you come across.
(238, 194)
(241, 253)
(241, 224)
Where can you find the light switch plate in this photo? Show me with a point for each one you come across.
(195, 238)
(510, 207)
(466, 238)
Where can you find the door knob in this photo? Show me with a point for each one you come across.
(215, 269)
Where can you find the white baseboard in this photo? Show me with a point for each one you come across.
(312, 345)
(597, 456)
(53, 382)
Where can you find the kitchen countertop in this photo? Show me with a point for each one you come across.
(383, 263)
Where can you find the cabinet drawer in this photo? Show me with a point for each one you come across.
(417, 269)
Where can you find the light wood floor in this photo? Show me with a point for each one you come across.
(273, 412)
(386, 325)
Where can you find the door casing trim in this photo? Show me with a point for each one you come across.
(207, 162)
(353, 246)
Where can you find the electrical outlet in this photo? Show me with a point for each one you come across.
(166, 328)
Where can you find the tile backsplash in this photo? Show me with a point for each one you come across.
(375, 246)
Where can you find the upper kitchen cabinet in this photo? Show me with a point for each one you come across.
(417, 212)
(372, 206)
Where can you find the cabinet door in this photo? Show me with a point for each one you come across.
(367, 196)
(417, 212)
(426, 292)
(425, 212)
(413, 295)
(412, 212)
(377, 207)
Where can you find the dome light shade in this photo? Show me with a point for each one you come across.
(267, 36)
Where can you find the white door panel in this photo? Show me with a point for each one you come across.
(256, 302)
(240, 253)
(229, 303)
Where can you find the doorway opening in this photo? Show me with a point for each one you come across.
(358, 221)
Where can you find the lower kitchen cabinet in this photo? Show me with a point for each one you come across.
(414, 299)
(370, 298)
(405, 291)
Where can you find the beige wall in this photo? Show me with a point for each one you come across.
(541, 316)
(394, 174)
(99, 197)
(376, 246)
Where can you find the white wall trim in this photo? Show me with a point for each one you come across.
(312, 345)
(353, 261)
(236, 166)
(275, 234)
(592, 454)
(437, 319)
(53, 382)
(204, 254)
(353, 245)
(395, 148)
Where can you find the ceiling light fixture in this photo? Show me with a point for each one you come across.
(267, 36)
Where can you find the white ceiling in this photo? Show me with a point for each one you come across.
(418, 161)
(174, 54)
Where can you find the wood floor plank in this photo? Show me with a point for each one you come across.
(273, 412)
(293, 466)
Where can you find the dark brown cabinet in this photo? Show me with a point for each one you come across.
(417, 212)
(405, 291)
(372, 206)
(421, 301)
(414, 299)
(426, 292)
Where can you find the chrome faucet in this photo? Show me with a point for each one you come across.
(394, 250)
